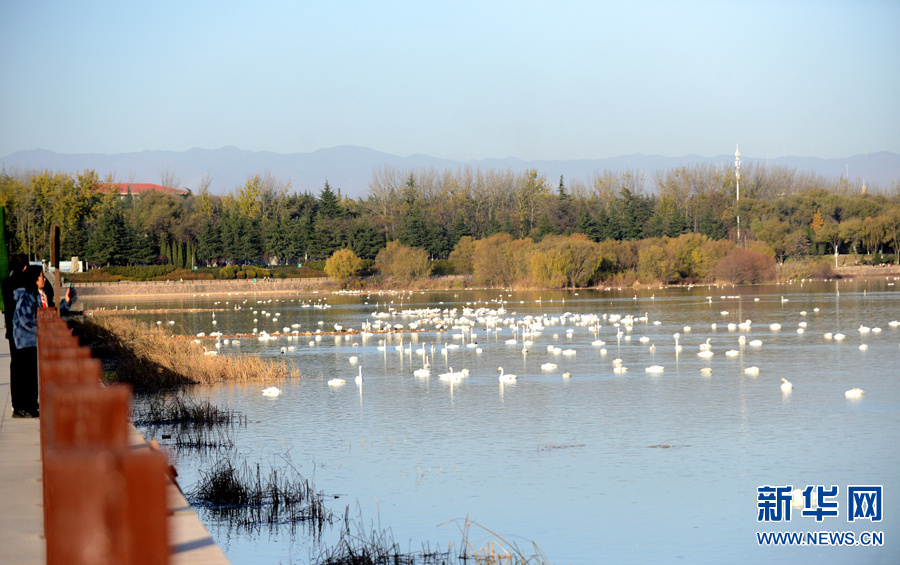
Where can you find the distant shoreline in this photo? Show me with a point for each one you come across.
(151, 289)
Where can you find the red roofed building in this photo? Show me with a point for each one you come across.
(126, 188)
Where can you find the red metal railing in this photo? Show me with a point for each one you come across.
(104, 501)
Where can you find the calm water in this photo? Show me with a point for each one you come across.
(567, 463)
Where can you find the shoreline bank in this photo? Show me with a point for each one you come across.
(153, 289)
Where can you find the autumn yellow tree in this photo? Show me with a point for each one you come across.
(343, 264)
(403, 262)
(463, 254)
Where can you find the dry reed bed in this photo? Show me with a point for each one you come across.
(151, 359)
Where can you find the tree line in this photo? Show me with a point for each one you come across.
(784, 213)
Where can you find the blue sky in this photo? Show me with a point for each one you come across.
(460, 80)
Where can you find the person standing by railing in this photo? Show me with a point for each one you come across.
(17, 264)
(29, 297)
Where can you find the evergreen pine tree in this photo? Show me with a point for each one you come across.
(249, 248)
(209, 245)
(138, 250)
(166, 249)
(711, 226)
(588, 225)
(543, 228)
(460, 228)
(561, 189)
(366, 241)
(329, 203)
(414, 231)
(105, 242)
(437, 243)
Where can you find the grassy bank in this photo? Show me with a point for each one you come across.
(151, 359)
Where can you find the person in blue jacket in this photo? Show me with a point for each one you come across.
(17, 265)
(29, 297)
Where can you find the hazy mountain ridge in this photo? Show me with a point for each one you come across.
(350, 168)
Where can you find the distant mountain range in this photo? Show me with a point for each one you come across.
(350, 168)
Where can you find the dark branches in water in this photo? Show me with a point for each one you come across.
(184, 411)
(377, 547)
(184, 422)
(247, 497)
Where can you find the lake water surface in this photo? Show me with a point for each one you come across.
(599, 467)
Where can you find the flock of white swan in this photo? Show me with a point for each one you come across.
(474, 328)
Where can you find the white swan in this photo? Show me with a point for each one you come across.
(706, 371)
(839, 337)
(755, 343)
(855, 393)
(863, 347)
(359, 378)
(732, 353)
(451, 376)
(567, 375)
(774, 327)
(752, 370)
(654, 369)
(336, 382)
(705, 354)
(786, 386)
(504, 378)
(354, 360)
(706, 346)
(548, 367)
(422, 373)
(271, 391)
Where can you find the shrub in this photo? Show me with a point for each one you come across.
(501, 260)
(442, 267)
(559, 261)
(822, 270)
(343, 264)
(228, 272)
(656, 263)
(463, 255)
(403, 262)
(745, 266)
(252, 272)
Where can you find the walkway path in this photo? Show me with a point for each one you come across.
(21, 498)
